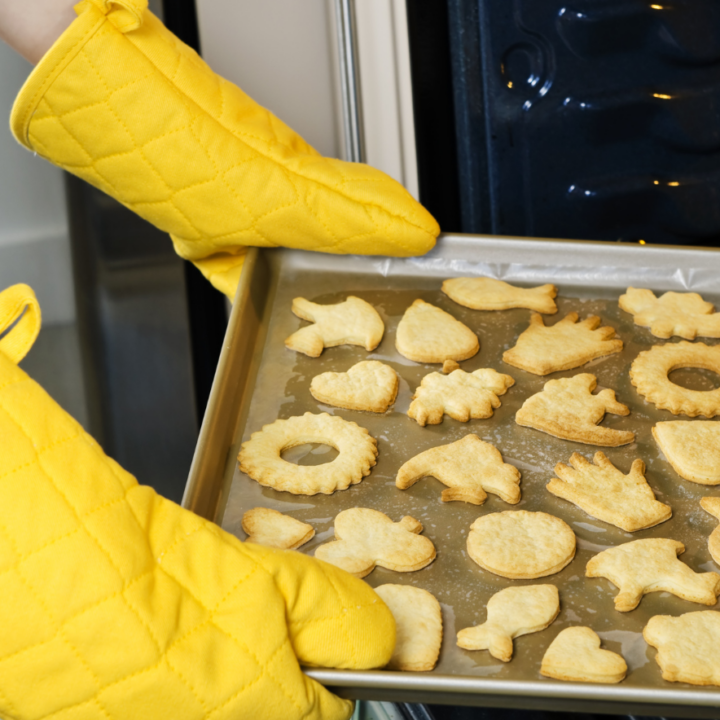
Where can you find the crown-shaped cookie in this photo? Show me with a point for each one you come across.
(565, 345)
(566, 408)
(684, 314)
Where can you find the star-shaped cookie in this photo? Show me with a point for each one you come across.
(460, 395)
(368, 385)
(567, 344)
(469, 467)
(604, 492)
(651, 565)
(428, 334)
(567, 409)
(483, 293)
(352, 322)
(686, 315)
(366, 538)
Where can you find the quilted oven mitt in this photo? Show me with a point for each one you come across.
(117, 604)
(122, 103)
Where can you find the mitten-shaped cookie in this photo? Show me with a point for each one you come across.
(117, 603)
(122, 103)
(367, 538)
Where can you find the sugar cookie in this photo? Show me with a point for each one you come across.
(428, 334)
(649, 374)
(575, 655)
(367, 538)
(449, 366)
(688, 646)
(512, 612)
(567, 344)
(352, 322)
(260, 456)
(418, 624)
(460, 395)
(518, 544)
(566, 408)
(692, 447)
(368, 385)
(273, 529)
(712, 505)
(651, 565)
(469, 467)
(684, 314)
(605, 493)
(483, 293)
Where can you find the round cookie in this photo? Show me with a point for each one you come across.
(521, 545)
(260, 456)
(649, 374)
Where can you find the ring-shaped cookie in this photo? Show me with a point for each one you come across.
(260, 456)
(649, 374)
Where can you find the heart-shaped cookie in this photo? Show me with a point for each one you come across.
(369, 385)
(575, 654)
(274, 529)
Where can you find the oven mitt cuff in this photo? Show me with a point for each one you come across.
(122, 103)
(116, 603)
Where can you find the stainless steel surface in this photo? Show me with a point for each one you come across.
(349, 80)
(590, 277)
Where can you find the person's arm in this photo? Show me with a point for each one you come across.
(31, 27)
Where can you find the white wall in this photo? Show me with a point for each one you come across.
(34, 244)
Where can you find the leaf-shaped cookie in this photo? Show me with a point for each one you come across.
(575, 655)
(368, 385)
(692, 447)
(712, 505)
(367, 538)
(460, 395)
(512, 612)
(418, 624)
(567, 409)
(604, 492)
(469, 467)
(651, 565)
(352, 322)
(430, 335)
(274, 529)
(482, 293)
(688, 646)
(684, 314)
(563, 346)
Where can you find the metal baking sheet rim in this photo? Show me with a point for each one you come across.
(205, 493)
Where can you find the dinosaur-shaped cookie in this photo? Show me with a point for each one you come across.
(575, 655)
(688, 646)
(418, 623)
(604, 492)
(567, 409)
(644, 566)
(712, 505)
(512, 612)
(367, 538)
(352, 322)
(563, 346)
(692, 447)
(469, 467)
(686, 315)
(460, 395)
(482, 293)
(428, 334)
(368, 385)
(274, 529)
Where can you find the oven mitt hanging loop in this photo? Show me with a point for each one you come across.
(122, 103)
(116, 603)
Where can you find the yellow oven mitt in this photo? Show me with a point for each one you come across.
(116, 604)
(122, 103)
